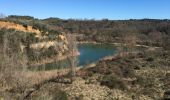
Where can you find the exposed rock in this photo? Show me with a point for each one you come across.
(10, 25)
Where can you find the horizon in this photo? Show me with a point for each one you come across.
(83, 19)
(80, 10)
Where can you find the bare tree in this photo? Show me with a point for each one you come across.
(2, 15)
(127, 43)
(156, 38)
(13, 64)
(130, 41)
(72, 57)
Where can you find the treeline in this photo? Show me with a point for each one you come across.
(148, 31)
(111, 30)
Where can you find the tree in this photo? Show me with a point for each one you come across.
(156, 38)
(128, 42)
(72, 57)
(2, 15)
(13, 63)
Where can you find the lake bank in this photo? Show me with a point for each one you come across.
(88, 52)
(53, 59)
(116, 44)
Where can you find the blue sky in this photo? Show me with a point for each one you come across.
(80, 9)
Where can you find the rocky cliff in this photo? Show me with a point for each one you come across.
(44, 45)
(11, 25)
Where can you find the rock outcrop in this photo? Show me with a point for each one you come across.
(10, 25)
(59, 41)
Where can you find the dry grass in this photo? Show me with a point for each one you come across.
(37, 77)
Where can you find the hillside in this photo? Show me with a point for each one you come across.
(36, 41)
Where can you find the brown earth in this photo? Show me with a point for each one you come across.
(10, 25)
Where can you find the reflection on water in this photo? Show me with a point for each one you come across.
(93, 52)
(89, 53)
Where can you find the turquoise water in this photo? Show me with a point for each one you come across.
(89, 53)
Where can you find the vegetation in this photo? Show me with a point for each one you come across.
(137, 76)
(130, 75)
(16, 55)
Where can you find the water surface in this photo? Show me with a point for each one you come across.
(89, 53)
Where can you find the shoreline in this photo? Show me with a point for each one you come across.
(77, 53)
(116, 44)
(53, 59)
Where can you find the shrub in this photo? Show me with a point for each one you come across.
(150, 59)
(113, 81)
(60, 95)
(13, 63)
(166, 95)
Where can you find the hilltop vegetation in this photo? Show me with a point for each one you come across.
(103, 30)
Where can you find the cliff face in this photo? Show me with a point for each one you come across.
(10, 25)
(59, 43)
(60, 40)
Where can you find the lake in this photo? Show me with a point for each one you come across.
(89, 53)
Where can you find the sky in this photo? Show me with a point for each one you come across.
(89, 9)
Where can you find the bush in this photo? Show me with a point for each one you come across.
(13, 63)
(60, 95)
(167, 95)
(49, 93)
(150, 59)
(113, 81)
